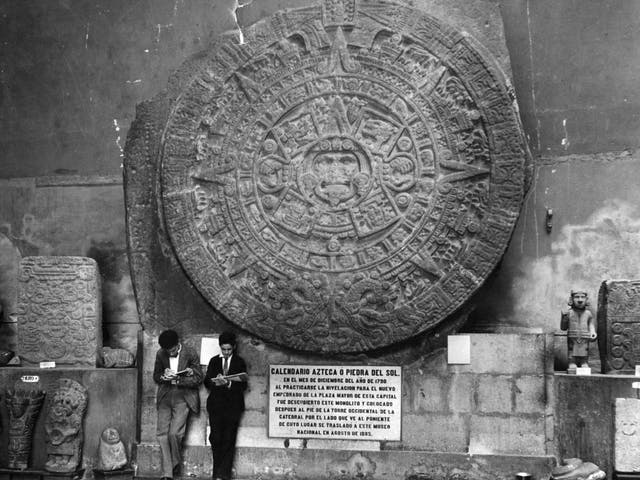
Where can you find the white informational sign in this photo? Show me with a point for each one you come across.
(583, 371)
(47, 364)
(30, 378)
(209, 348)
(335, 402)
(458, 349)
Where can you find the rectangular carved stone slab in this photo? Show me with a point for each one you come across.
(59, 311)
(627, 436)
(619, 325)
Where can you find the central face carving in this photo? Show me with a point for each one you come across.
(333, 172)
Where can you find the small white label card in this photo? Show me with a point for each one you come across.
(47, 364)
(583, 371)
(459, 349)
(209, 348)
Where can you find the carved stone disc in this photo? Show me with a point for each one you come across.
(344, 180)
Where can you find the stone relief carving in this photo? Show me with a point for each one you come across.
(59, 310)
(24, 405)
(344, 180)
(63, 426)
(116, 358)
(627, 435)
(619, 325)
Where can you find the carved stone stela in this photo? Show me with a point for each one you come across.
(344, 180)
(23, 405)
(619, 325)
(59, 310)
(63, 426)
(627, 435)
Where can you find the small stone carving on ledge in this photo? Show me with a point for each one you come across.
(581, 331)
(116, 358)
(5, 357)
(24, 404)
(63, 426)
(576, 469)
(111, 452)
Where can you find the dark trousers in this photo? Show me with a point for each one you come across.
(224, 430)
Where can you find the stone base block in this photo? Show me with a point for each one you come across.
(307, 463)
(626, 476)
(33, 474)
(121, 474)
(112, 403)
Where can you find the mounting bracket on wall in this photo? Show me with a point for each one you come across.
(548, 220)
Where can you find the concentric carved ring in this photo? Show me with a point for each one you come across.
(344, 180)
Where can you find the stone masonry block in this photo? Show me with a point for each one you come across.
(505, 354)
(148, 419)
(494, 394)
(507, 435)
(460, 393)
(256, 437)
(428, 394)
(435, 432)
(343, 445)
(59, 311)
(530, 396)
(197, 432)
(256, 397)
(254, 418)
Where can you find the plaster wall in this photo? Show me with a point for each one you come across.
(71, 73)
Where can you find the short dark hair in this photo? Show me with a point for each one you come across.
(168, 339)
(227, 337)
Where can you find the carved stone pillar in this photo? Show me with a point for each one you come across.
(24, 406)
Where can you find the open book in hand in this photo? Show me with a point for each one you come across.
(183, 372)
(243, 377)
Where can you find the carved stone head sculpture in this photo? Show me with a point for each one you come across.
(63, 426)
(111, 451)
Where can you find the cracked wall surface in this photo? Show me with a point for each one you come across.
(72, 72)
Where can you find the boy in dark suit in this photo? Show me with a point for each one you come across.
(225, 403)
(178, 375)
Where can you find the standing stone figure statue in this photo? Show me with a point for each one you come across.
(24, 405)
(581, 331)
(63, 427)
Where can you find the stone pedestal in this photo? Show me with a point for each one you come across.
(122, 474)
(112, 401)
(33, 474)
(583, 416)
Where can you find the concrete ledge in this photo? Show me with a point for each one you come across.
(307, 463)
(112, 403)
